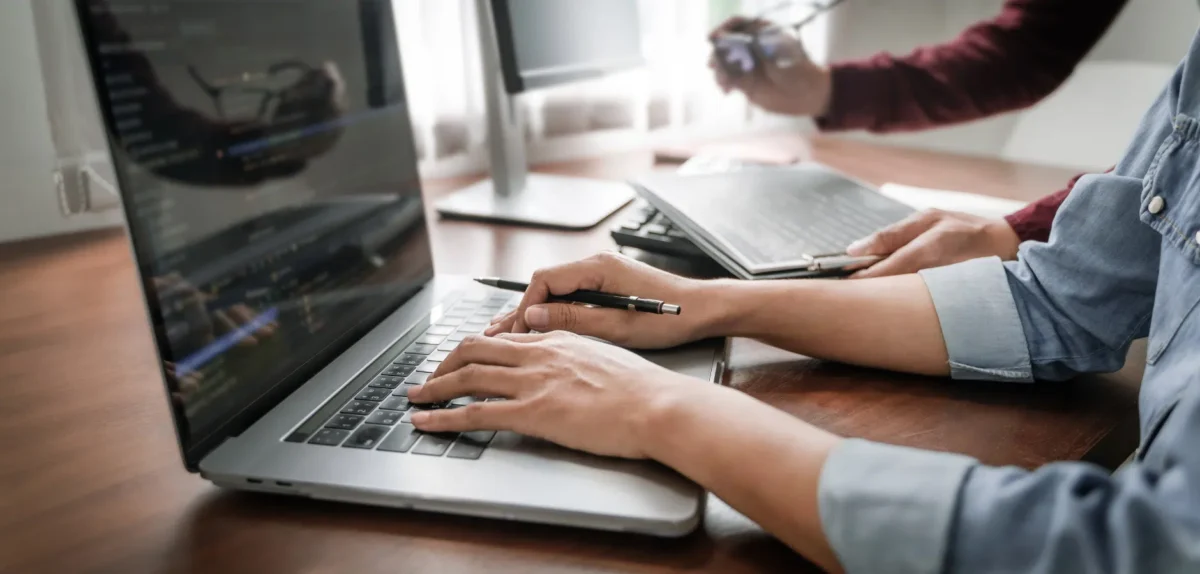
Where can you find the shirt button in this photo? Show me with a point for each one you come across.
(1157, 204)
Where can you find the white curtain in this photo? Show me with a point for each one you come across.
(83, 175)
(673, 97)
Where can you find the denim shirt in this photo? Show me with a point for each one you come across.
(1122, 263)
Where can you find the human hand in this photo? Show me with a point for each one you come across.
(615, 274)
(573, 391)
(935, 238)
(785, 80)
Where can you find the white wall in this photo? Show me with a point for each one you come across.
(1148, 30)
(1151, 31)
(28, 201)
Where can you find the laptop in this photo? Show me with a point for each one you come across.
(771, 222)
(269, 180)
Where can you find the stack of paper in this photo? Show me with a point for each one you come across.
(921, 198)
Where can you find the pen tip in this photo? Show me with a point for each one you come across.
(669, 309)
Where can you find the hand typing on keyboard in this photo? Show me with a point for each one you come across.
(559, 387)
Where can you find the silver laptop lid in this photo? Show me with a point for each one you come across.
(268, 172)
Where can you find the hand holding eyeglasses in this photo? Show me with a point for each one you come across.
(769, 64)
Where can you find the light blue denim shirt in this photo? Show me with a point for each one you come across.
(1122, 263)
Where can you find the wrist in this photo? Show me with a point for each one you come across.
(1005, 241)
(663, 416)
(715, 305)
(822, 92)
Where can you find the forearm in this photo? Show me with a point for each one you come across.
(1006, 63)
(769, 469)
(887, 323)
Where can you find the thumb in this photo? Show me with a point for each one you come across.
(779, 52)
(888, 240)
(589, 321)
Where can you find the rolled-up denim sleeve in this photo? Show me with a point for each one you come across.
(905, 511)
(977, 293)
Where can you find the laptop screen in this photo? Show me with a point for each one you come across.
(268, 170)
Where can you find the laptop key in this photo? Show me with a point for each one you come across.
(399, 371)
(440, 330)
(366, 437)
(412, 360)
(470, 446)
(344, 422)
(418, 378)
(402, 391)
(420, 349)
(329, 437)
(395, 403)
(388, 382)
(385, 418)
(463, 401)
(449, 346)
(414, 410)
(482, 437)
(428, 367)
(434, 444)
(439, 356)
(459, 336)
(363, 408)
(431, 340)
(373, 394)
(401, 440)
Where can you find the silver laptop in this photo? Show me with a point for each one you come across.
(269, 178)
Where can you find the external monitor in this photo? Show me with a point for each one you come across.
(533, 44)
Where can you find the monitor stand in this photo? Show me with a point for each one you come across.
(513, 195)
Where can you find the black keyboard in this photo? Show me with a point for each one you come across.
(379, 414)
(649, 230)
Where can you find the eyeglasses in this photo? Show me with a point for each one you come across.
(252, 96)
(818, 8)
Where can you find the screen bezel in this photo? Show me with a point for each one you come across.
(194, 450)
(516, 82)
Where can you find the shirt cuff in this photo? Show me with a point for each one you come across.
(980, 323)
(889, 508)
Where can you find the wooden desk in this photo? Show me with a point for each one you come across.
(91, 480)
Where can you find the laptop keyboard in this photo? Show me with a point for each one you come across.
(379, 416)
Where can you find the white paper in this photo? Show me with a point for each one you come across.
(921, 198)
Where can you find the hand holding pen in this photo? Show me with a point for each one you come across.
(593, 298)
(668, 309)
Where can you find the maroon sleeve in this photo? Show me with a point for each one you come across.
(999, 65)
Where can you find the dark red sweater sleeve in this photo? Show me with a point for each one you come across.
(1003, 64)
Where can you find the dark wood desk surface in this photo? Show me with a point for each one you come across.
(91, 481)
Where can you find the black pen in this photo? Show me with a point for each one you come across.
(596, 298)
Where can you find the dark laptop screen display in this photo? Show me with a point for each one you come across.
(267, 165)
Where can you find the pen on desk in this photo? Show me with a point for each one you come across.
(596, 298)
